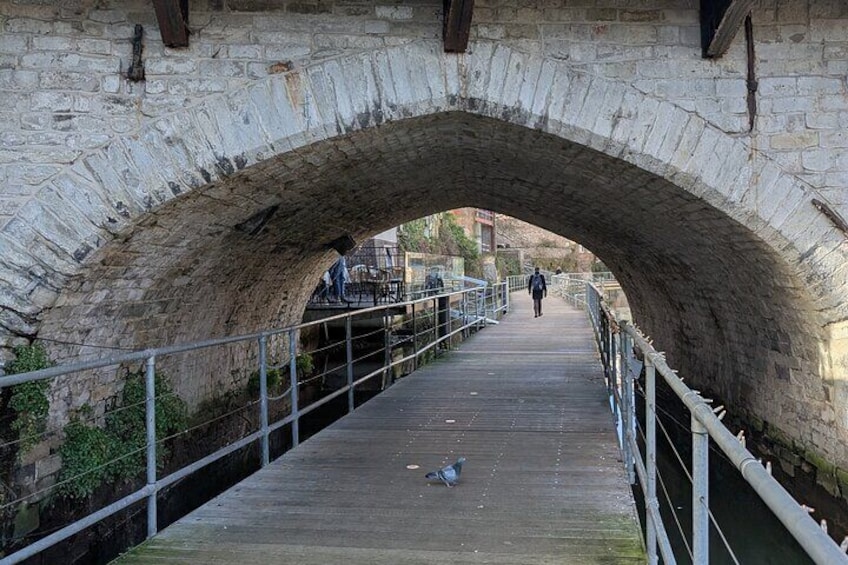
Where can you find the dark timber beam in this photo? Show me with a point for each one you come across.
(173, 21)
(457, 25)
(720, 20)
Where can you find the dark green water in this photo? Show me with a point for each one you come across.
(755, 536)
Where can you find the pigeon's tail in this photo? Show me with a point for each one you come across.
(432, 476)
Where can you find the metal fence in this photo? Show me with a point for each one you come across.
(281, 386)
(617, 340)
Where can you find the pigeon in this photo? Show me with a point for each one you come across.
(448, 475)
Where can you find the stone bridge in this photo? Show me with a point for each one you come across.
(200, 201)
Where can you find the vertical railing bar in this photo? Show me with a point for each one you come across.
(263, 399)
(700, 493)
(651, 456)
(481, 304)
(629, 404)
(435, 326)
(387, 352)
(465, 329)
(349, 357)
(414, 338)
(295, 411)
(150, 425)
(613, 370)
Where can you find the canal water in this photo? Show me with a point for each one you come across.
(754, 535)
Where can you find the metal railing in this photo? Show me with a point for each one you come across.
(430, 324)
(616, 340)
(518, 281)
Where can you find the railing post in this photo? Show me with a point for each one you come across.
(627, 403)
(436, 329)
(349, 357)
(605, 338)
(414, 338)
(613, 371)
(150, 425)
(295, 411)
(463, 307)
(477, 308)
(651, 456)
(387, 350)
(263, 399)
(700, 494)
(491, 303)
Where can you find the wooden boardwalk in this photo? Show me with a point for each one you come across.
(524, 401)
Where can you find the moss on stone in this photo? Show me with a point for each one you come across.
(777, 436)
(842, 479)
(823, 467)
(756, 423)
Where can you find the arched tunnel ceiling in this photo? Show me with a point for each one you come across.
(245, 253)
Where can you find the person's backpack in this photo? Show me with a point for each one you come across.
(537, 283)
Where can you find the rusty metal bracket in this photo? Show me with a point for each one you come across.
(136, 71)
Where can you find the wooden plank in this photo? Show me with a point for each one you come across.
(457, 24)
(173, 21)
(720, 21)
(524, 401)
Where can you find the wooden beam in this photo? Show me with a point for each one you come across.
(720, 20)
(173, 21)
(457, 25)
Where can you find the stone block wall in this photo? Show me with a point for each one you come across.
(62, 67)
(167, 266)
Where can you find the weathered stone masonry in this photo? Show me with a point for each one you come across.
(119, 201)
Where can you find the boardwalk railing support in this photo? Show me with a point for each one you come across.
(150, 424)
(651, 459)
(415, 336)
(263, 399)
(612, 358)
(700, 493)
(349, 358)
(295, 416)
(628, 405)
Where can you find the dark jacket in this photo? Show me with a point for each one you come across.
(537, 294)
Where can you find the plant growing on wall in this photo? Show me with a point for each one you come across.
(455, 242)
(411, 236)
(127, 423)
(304, 364)
(92, 455)
(29, 400)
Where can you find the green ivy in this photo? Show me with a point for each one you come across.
(273, 379)
(451, 240)
(455, 242)
(29, 400)
(411, 236)
(128, 423)
(86, 454)
(304, 364)
(93, 455)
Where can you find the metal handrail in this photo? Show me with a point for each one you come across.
(479, 306)
(616, 339)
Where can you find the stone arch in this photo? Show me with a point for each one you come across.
(80, 252)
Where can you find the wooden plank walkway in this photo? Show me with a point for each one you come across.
(524, 401)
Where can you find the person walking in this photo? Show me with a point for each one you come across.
(537, 288)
